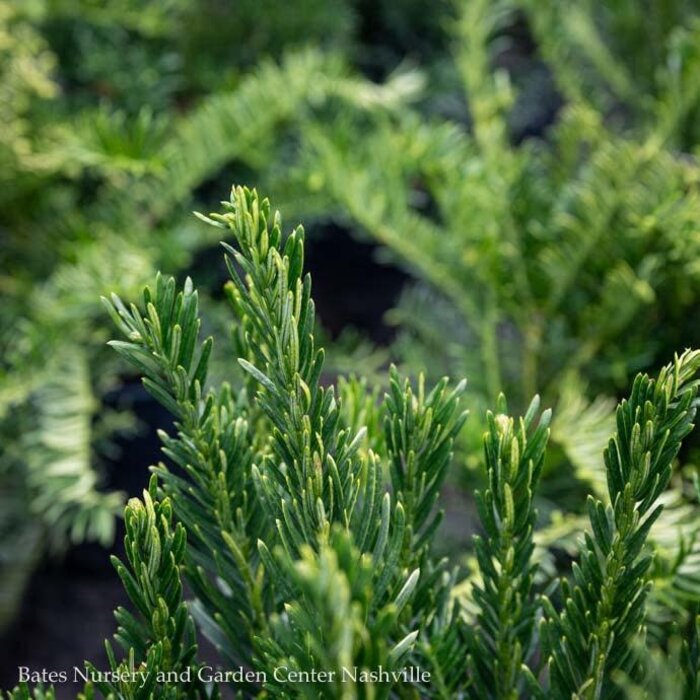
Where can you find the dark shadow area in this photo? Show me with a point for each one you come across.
(350, 287)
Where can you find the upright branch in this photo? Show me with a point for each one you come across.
(313, 475)
(419, 431)
(500, 644)
(213, 453)
(260, 483)
(603, 613)
(159, 636)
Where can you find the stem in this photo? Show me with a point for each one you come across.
(614, 570)
(508, 649)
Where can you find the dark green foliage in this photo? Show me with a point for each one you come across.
(419, 443)
(501, 643)
(310, 541)
(603, 610)
(280, 477)
(158, 637)
(313, 473)
(214, 449)
(560, 264)
(112, 125)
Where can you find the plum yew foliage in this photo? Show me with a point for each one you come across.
(307, 542)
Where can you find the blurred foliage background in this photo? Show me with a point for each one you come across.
(530, 167)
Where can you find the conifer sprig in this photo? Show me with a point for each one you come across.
(500, 644)
(314, 476)
(419, 430)
(280, 476)
(158, 638)
(310, 551)
(603, 612)
(213, 452)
